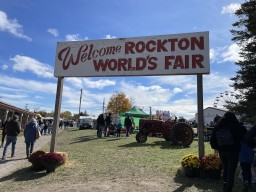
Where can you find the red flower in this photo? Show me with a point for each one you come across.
(52, 158)
(35, 157)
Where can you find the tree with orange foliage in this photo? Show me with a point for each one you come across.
(118, 103)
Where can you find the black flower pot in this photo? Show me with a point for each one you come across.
(191, 172)
(214, 173)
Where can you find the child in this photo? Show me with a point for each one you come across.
(246, 157)
(118, 128)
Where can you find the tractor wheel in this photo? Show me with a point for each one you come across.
(141, 137)
(167, 137)
(182, 134)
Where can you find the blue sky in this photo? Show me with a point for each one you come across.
(30, 30)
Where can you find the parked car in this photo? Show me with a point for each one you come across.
(86, 122)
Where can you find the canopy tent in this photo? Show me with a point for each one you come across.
(135, 112)
(136, 121)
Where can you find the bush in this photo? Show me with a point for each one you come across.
(52, 158)
(211, 161)
(35, 159)
(190, 160)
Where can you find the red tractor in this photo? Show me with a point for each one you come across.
(177, 133)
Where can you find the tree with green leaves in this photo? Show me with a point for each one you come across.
(244, 82)
(118, 103)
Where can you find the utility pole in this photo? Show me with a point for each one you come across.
(80, 106)
(103, 107)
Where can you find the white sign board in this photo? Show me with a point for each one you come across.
(176, 54)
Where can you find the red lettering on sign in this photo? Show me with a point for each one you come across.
(151, 46)
(197, 60)
(84, 53)
(124, 64)
(141, 63)
(183, 62)
(164, 45)
(152, 63)
(183, 44)
(161, 45)
(129, 46)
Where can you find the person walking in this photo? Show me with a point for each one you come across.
(30, 136)
(230, 130)
(13, 129)
(4, 131)
(127, 124)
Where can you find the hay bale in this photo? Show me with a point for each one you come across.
(65, 156)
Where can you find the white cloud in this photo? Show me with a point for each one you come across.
(75, 81)
(225, 54)
(28, 85)
(159, 98)
(24, 63)
(54, 32)
(177, 90)
(12, 26)
(75, 37)
(110, 37)
(185, 82)
(99, 84)
(87, 82)
(212, 83)
(4, 67)
(146, 95)
(231, 8)
(231, 53)
(212, 54)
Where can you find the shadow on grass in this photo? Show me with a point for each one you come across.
(9, 159)
(24, 174)
(83, 139)
(162, 144)
(204, 184)
(113, 139)
(73, 129)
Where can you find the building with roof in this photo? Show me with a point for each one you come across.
(7, 110)
(209, 114)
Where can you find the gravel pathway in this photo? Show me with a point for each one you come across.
(11, 164)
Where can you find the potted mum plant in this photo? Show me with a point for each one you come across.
(190, 164)
(51, 161)
(35, 159)
(212, 165)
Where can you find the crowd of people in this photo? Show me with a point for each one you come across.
(105, 126)
(11, 128)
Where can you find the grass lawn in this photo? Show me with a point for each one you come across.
(95, 164)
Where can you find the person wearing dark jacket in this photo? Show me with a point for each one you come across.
(30, 136)
(100, 125)
(250, 137)
(128, 125)
(246, 159)
(12, 131)
(4, 131)
(108, 121)
(229, 154)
